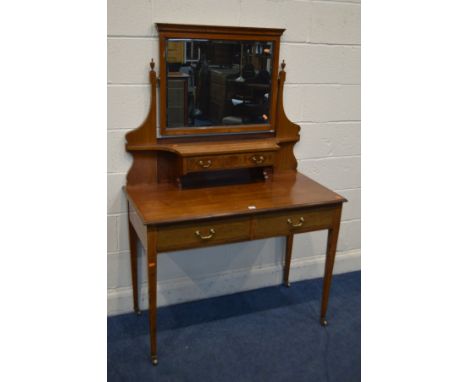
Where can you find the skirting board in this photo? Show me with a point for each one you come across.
(185, 289)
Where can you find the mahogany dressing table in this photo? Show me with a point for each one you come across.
(223, 177)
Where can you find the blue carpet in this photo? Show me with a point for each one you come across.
(269, 334)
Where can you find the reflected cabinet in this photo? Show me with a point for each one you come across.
(214, 162)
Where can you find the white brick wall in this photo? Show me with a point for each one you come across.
(321, 47)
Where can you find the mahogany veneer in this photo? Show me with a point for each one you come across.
(166, 215)
(166, 203)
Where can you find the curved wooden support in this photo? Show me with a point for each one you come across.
(144, 166)
(146, 133)
(287, 132)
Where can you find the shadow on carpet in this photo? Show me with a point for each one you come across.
(270, 334)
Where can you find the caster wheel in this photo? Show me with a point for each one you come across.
(324, 322)
(154, 361)
(287, 285)
(138, 312)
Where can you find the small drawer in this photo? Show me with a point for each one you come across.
(259, 159)
(202, 234)
(228, 161)
(283, 223)
(205, 163)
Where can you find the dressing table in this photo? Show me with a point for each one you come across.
(226, 172)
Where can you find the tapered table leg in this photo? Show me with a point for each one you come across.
(329, 262)
(287, 260)
(134, 265)
(152, 300)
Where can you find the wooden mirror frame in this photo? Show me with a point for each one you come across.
(167, 31)
(167, 159)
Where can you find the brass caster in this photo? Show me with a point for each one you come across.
(154, 360)
(287, 285)
(324, 322)
(138, 312)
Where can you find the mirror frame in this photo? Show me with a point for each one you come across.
(167, 31)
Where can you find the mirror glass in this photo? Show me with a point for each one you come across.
(218, 82)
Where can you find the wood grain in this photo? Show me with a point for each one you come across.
(165, 217)
(223, 231)
(153, 157)
(152, 268)
(166, 203)
(188, 149)
(166, 31)
(329, 263)
(217, 162)
(287, 259)
(134, 265)
(287, 132)
(276, 224)
(235, 32)
(137, 225)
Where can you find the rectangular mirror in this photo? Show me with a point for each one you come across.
(217, 82)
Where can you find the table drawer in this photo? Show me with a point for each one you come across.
(285, 222)
(194, 235)
(227, 161)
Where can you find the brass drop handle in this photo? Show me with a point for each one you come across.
(258, 160)
(297, 225)
(204, 164)
(207, 237)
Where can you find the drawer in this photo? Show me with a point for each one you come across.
(202, 234)
(283, 223)
(259, 159)
(227, 161)
(205, 163)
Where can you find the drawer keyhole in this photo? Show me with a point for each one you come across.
(204, 164)
(207, 237)
(296, 225)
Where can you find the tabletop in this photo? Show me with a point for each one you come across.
(167, 203)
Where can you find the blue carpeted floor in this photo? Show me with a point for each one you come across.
(270, 334)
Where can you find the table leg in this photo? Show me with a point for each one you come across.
(329, 262)
(134, 266)
(152, 300)
(287, 260)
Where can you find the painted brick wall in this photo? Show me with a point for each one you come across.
(321, 47)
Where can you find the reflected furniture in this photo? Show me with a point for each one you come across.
(203, 185)
(220, 93)
(177, 99)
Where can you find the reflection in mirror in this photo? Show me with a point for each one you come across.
(218, 82)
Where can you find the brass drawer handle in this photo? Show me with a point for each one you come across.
(258, 160)
(207, 237)
(204, 164)
(297, 225)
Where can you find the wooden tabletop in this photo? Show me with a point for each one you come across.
(166, 203)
